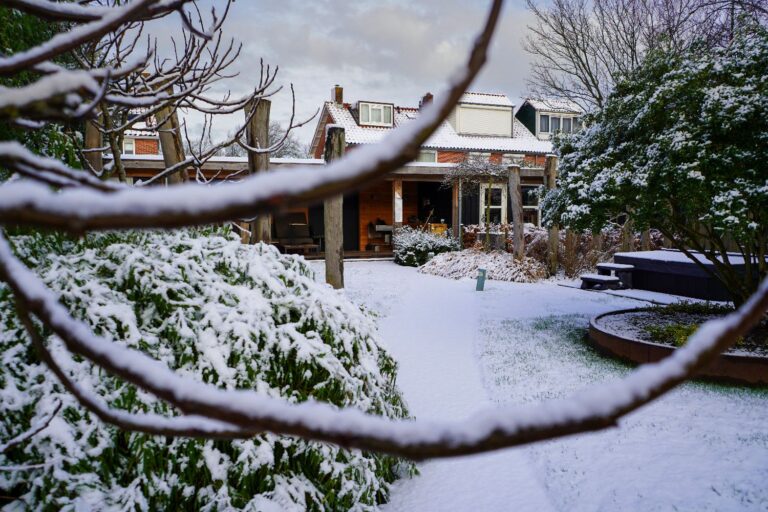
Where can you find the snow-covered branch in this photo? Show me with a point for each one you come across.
(250, 412)
(35, 429)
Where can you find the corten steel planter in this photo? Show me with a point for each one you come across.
(744, 369)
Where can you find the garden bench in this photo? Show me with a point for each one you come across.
(620, 270)
(599, 282)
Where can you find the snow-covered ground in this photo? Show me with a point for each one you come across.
(702, 447)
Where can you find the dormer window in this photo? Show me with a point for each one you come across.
(375, 114)
(544, 123)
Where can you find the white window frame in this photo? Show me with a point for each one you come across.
(427, 156)
(479, 155)
(502, 207)
(512, 158)
(125, 146)
(530, 208)
(369, 107)
(549, 123)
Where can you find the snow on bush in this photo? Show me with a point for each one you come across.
(412, 246)
(499, 265)
(235, 315)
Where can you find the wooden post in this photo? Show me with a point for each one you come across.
(645, 240)
(455, 216)
(333, 215)
(257, 135)
(93, 141)
(170, 142)
(397, 204)
(516, 199)
(554, 230)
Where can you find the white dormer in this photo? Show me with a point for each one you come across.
(483, 114)
(375, 114)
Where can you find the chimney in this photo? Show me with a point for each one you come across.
(426, 100)
(337, 94)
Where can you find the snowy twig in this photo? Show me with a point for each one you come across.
(33, 431)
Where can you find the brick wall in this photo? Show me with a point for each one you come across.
(450, 157)
(147, 146)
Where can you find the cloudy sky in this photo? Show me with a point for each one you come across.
(393, 50)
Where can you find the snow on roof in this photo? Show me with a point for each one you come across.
(555, 105)
(481, 98)
(138, 132)
(445, 137)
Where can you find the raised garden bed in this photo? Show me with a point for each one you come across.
(646, 335)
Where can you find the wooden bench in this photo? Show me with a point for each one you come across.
(620, 270)
(599, 282)
(292, 234)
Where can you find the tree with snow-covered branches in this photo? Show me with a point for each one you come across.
(681, 146)
(190, 404)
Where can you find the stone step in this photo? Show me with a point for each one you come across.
(597, 278)
(615, 266)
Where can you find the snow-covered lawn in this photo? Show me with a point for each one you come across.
(703, 447)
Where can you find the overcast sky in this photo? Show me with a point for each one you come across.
(392, 51)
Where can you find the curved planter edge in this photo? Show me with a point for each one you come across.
(743, 369)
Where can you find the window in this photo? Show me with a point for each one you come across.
(493, 198)
(531, 205)
(128, 147)
(555, 124)
(544, 124)
(567, 124)
(577, 124)
(427, 156)
(478, 156)
(511, 158)
(375, 114)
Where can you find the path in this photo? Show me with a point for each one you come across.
(431, 331)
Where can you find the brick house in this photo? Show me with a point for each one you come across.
(482, 125)
(139, 140)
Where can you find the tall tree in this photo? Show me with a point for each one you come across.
(582, 48)
(697, 172)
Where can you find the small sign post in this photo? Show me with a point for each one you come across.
(480, 279)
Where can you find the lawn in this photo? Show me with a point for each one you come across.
(702, 447)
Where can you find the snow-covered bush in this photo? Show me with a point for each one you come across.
(500, 266)
(412, 246)
(681, 145)
(234, 315)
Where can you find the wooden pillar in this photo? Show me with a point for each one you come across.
(516, 201)
(554, 230)
(397, 204)
(257, 136)
(455, 214)
(333, 209)
(93, 141)
(170, 142)
(645, 240)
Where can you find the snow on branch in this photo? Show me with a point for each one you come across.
(251, 412)
(35, 429)
(190, 204)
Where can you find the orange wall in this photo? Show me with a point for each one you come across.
(376, 203)
(450, 157)
(147, 146)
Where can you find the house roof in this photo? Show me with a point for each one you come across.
(555, 105)
(137, 131)
(445, 137)
(481, 98)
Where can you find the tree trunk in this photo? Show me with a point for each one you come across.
(554, 231)
(257, 135)
(171, 144)
(93, 141)
(333, 216)
(518, 236)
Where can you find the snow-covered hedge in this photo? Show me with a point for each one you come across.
(412, 246)
(236, 315)
(500, 266)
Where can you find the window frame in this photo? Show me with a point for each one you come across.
(425, 152)
(541, 123)
(502, 207)
(368, 107)
(531, 208)
(133, 146)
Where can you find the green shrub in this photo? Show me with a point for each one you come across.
(671, 334)
(233, 315)
(412, 246)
